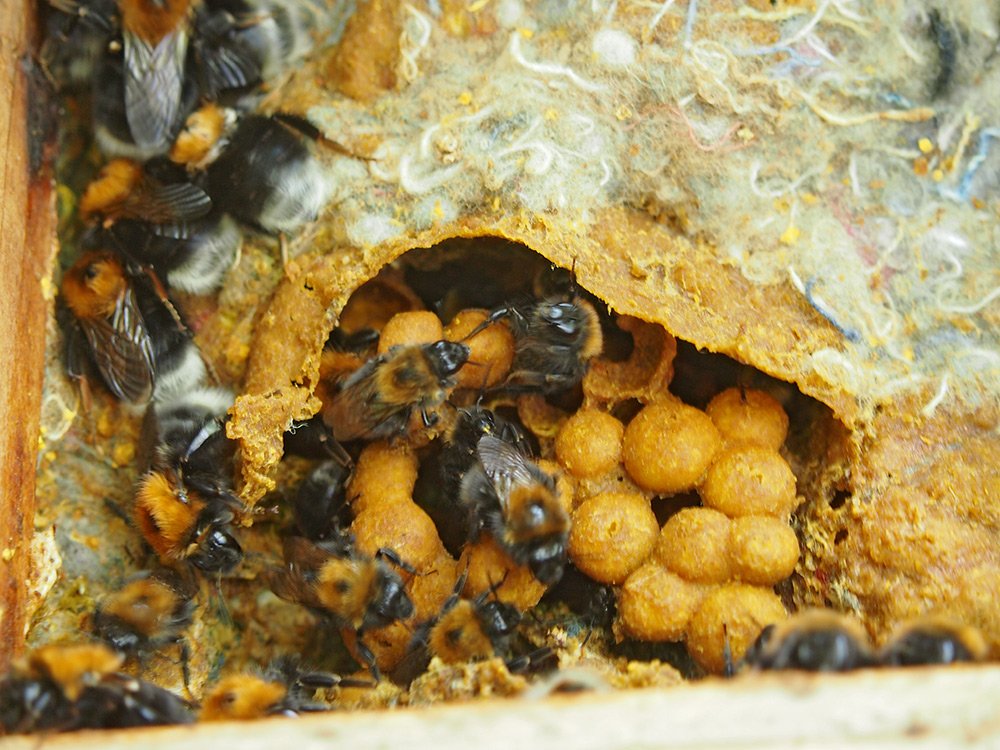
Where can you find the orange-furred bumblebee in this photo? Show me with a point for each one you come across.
(153, 215)
(508, 496)
(184, 505)
(555, 339)
(814, 641)
(258, 169)
(150, 611)
(933, 640)
(285, 688)
(115, 322)
(64, 688)
(376, 400)
(355, 591)
(465, 630)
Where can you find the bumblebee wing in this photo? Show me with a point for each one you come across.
(289, 585)
(352, 413)
(153, 82)
(122, 349)
(505, 465)
(223, 61)
(303, 555)
(167, 203)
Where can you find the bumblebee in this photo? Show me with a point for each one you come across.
(152, 215)
(319, 504)
(439, 480)
(150, 611)
(184, 506)
(507, 495)
(555, 339)
(76, 38)
(285, 688)
(377, 400)
(155, 35)
(933, 640)
(116, 323)
(64, 688)
(815, 641)
(356, 592)
(465, 630)
(256, 168)
(238, 43)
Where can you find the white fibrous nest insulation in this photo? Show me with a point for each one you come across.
(846, 148)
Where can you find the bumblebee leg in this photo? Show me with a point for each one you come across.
(186, 666)
(395, 559)
(368, 658)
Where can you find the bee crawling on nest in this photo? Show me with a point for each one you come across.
(65, 688)
(152, 610)
(353, 590)
(284, 688)
(465, 630)
(377, 400)
(184, 505)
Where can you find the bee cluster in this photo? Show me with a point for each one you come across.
(482, 453)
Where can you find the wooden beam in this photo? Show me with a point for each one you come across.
(27, 231)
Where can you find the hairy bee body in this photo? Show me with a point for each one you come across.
(284, 688)
(814, 640)
(439, 481)
(554, 341)
(933, 640)
(150, 611)
(267, 176)
(377, 400)
(190, 256)
(126, 332)
(354, 591)
(507, 495)
(65, 688)
(184, 505)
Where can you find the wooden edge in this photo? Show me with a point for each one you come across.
(875, 708)
(27, 229)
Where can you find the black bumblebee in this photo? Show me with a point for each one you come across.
(815, 641)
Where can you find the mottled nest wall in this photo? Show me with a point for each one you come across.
(902, 510)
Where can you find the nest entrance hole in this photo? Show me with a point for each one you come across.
(487, 272)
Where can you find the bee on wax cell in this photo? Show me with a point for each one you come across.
(377, 400)
(464, 630)
(439, 480)
(353, 590)
(511, 498)
(555, 339)
(116, 323)
(259, 169)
